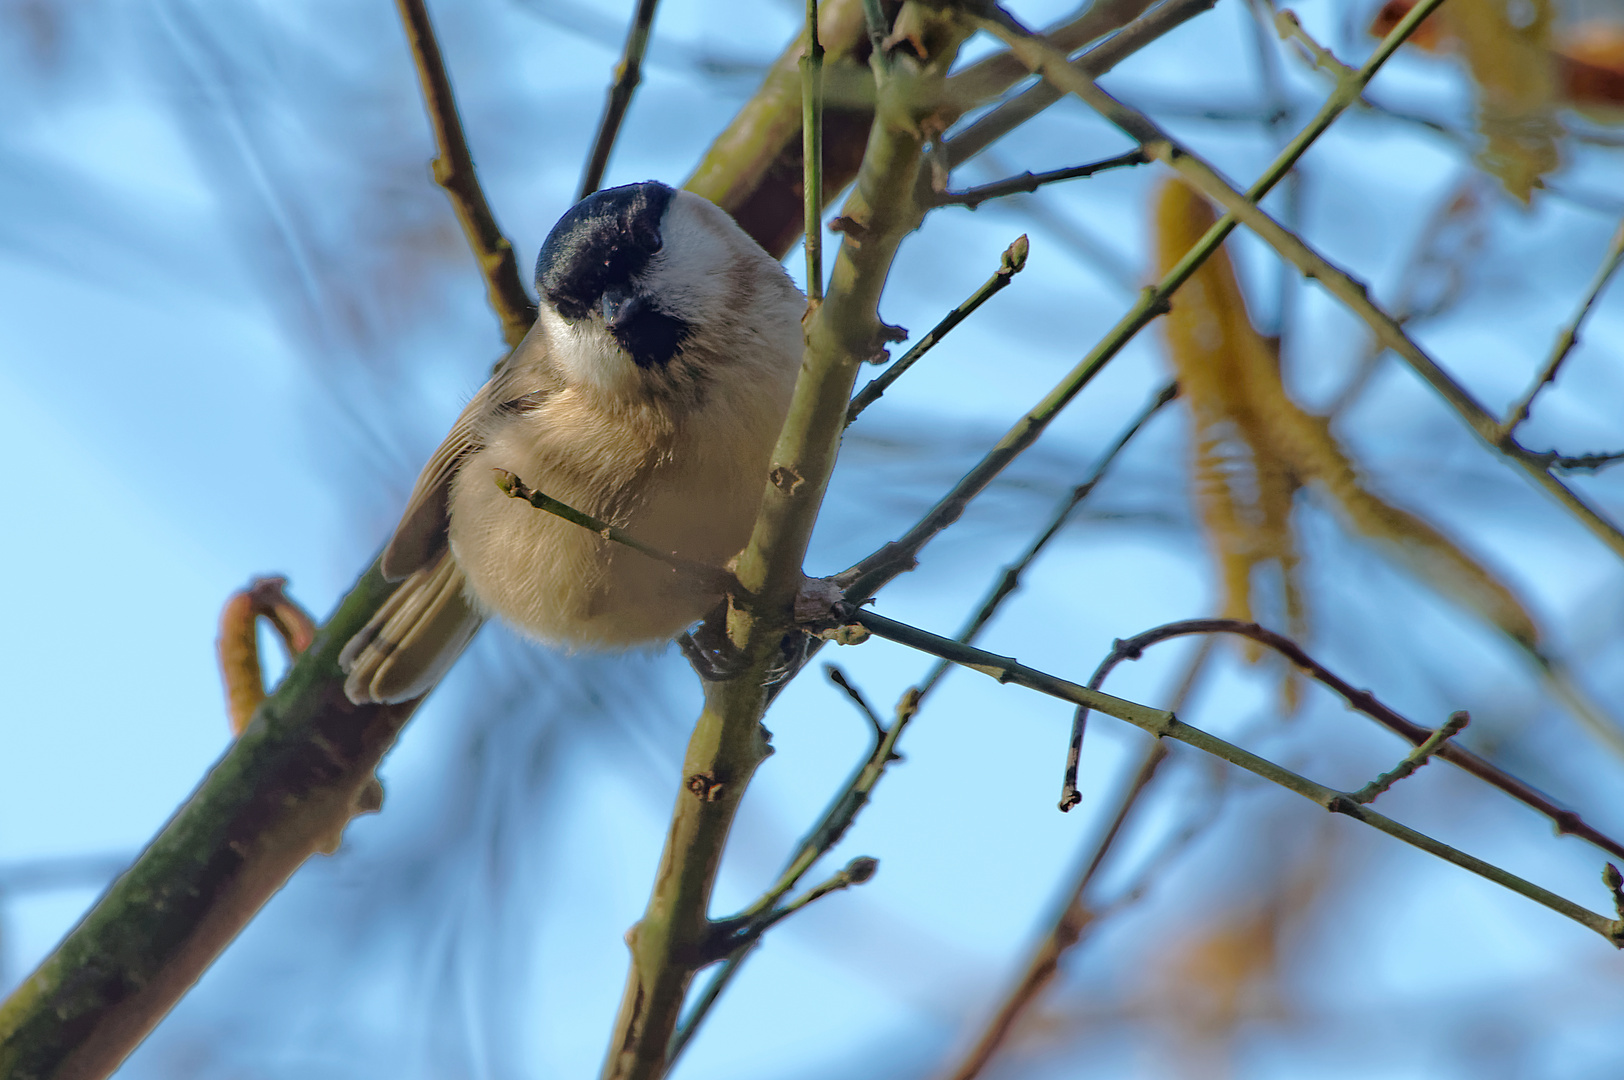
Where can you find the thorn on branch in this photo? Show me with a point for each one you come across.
(1413, 760)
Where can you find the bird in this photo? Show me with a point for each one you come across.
(649, 393)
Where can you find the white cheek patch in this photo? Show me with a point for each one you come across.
(698, 281)
(586, 353)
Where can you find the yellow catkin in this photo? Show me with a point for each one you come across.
(1507, 46)
(1254, 448)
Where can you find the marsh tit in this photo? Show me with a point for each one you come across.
(649, 394)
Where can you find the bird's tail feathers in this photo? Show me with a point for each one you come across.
(413, 639)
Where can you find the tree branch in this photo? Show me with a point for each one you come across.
(1028, 182)
(628, 73)
(1164, 724)
(899, 556)
(454, 171)
(283, 791)
(1568, 338)
(728, 741)
(1011, 263)
(1566, 821)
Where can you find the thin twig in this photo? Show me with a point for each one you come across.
(454, 171)
(1010, 580)
(839, 678)
(1074, 915)
(1290, 28)
(1581, 462)
(513, 487)
(1413, 760)
(1028, 182)
(1010, 264)
(1164, 724)
(628, 73)
(1009, 115)
(812, 153)
(1568, 338)
(749, 931)
(1566, 821)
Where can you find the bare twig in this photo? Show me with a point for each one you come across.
(1010, 264)
(1075, 915)
(1290, 28)
(1566, 821)
(744, 931)
(1010, 580)
(454, 171)
(812, 153)
(1009, 115)
(839, 678)
(1164, 724)
(628, 73)
(1028, 182)
(1566, 340)
(513, 487)
(1413, 760)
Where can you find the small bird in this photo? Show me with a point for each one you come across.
(648, 394)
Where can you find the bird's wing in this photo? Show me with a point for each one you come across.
(521, 381)
(421, 534)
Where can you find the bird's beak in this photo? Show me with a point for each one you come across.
(620, 306)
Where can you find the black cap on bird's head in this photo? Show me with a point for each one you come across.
(594, 254)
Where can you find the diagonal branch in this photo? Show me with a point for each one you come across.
(1165, 725)
(1010, 264)
(628, 73)
(1566, 821)
(454, 171)
(1569, 337)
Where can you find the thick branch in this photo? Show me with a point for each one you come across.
(454, 171)
(670, 943)
(283, 791)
